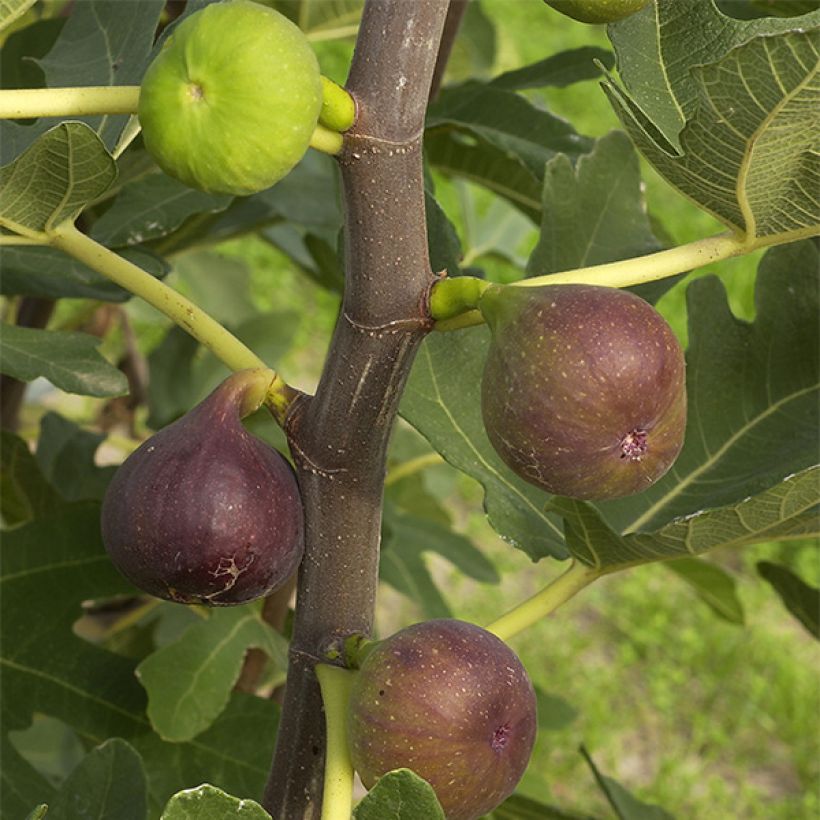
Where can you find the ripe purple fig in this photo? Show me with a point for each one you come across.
(450, 701)
(203, 512)
(583, 392)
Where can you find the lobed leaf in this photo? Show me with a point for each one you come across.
(11, 10)
(676, 37)
(558, 70)
(788, 510)
(400, 795)
(206, 802)
(713, 585)
(68, 360)
(51, 566)
(50, 274)
(54, 179)
(800, 598)
(748, 153)
(189, 681)
(109, 784)
(442, 401)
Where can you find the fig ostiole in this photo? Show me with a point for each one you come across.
(453, 703)
(203, 512)
(583, 392)
(231, 101)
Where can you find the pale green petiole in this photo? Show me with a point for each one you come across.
(337, 799)
(30, 103)
(452, 307)
(174, 305)
(544, 602)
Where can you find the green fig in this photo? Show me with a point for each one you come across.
(583, 392)
(450, 701)
(203, 512)
(231, 101)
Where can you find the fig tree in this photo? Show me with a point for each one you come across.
(583, 391)
(231, 101)
(450, 701)
(597, 11)
(203, 512)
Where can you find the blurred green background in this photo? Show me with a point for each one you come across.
(706, 718)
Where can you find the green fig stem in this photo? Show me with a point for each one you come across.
(446, 308)
(541, 604)
(326, 141)
(29, 103)
(175, 306)
(337, 799)
(338, 107)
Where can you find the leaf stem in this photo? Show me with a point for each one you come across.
(174, 305)
(338, 107)
(327, 141)
(336, 684)
(544, 602)
(25, 103)
(454, 299)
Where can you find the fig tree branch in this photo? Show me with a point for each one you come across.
(339, 437)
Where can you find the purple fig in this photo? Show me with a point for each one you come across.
(203, 512)
(583, 392)
(450, 701)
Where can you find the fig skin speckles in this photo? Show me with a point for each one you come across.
(203, 512)
(450, 701)
(583, 392)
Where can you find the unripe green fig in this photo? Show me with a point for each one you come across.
(231, 101)
(583, 392)
(597, 11)
(203, 512)
(450, 701)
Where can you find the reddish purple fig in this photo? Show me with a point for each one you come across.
(450, 701)
(203, 512)
(584, 391)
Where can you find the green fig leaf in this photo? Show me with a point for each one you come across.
(800, 598)
(486, 165)
(51, 566)
(508, 122)
(50, 274)
(400, 795)
(109, 784)
(402, 565)
(22, 785)
(24, 491)
(787, 510)
(518, 807)
(54, 179)
(151, 207)
(442, 402)
(677, 37)
(206, 802)
(558, 70)
(625, 805)
(713, 585)
(11, 10)
(747, 153)
(189, 681)
(65, 454)
(68, 360)
(579, 227)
